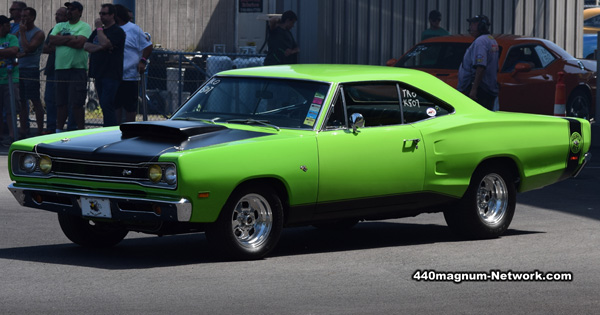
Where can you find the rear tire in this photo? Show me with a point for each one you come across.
(88, 233)
(488, 206)
(249, 225)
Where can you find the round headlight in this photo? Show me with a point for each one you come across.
(29, 163)
(171, 175)
(45, 164)
(155, 173)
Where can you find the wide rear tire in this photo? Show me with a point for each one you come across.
(487, 208)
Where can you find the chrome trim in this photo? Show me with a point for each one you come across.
(183, 206)
(586, 158)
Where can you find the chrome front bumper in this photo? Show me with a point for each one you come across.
(121, 208)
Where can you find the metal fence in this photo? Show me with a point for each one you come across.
(170, 78)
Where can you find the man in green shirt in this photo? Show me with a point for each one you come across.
(71, 65)
(434, 30)
(9, 47)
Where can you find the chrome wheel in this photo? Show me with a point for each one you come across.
(492, 199)
(251, 221)
(487, 207)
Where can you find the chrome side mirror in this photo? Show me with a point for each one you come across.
(357, 121)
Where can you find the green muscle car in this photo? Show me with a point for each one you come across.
(258, 149)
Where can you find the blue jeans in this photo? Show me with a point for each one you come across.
(107, 90)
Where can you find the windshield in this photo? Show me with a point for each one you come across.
(276, 102)
(434, 56)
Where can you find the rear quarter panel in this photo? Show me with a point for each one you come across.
(457, 144)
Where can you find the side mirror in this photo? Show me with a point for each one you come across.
(391, 62)
(357, 121)
(521, 67)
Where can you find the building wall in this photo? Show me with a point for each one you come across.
(372, 31)
(339, 31)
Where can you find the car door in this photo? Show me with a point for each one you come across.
(378, 166)
(530, 91)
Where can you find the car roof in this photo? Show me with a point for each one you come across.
(334, 73)
(588, 13)
(504, 40)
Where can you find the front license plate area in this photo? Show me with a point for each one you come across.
(95, 207)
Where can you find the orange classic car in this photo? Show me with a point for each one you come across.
(527, 76)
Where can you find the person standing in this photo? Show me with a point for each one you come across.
(15, 14)
(283, 48)
(137, 51)
(9, 47)
(50, 92)
(31, 41)
(434, 30)
(478, 70)
(71, 65)
(106, 47)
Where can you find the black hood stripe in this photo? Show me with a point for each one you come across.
(111, 146)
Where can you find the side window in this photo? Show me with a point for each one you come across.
(419, 106)
(544, 56)
(337, 118)
(377, 102)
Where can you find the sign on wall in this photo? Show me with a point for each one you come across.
(251, 6)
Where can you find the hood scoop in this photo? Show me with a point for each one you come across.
(178, 130)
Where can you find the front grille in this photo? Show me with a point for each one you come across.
(119, 172)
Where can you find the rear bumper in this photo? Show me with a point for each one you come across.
(586, 158)
(121, 208)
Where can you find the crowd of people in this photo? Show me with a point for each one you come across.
(114, 54)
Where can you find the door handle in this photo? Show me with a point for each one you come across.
(414, 141)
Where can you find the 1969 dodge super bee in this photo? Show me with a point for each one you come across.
(255, 150)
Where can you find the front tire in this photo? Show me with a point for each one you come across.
(578, 105)
(249, 225)
(88, 233)
(488, 206)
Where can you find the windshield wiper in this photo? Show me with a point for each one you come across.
(253, 121)
(212, 121)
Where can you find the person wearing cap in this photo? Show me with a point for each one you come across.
(9, 47)
(434, 30)
(478, 70)
(15, 10)
(106, 46)
(71, 62)
(137, 51)
(31, 42)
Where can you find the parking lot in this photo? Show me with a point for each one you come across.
(367, 270)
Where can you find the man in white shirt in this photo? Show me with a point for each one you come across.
(137, 51)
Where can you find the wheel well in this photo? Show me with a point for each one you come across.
(503, 162)
(583, 89)
(274, 183)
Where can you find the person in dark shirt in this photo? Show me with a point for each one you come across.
(283, 49)
(106, 46)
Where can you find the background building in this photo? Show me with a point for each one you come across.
(333, 31)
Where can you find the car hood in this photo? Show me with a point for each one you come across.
(144, 141)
